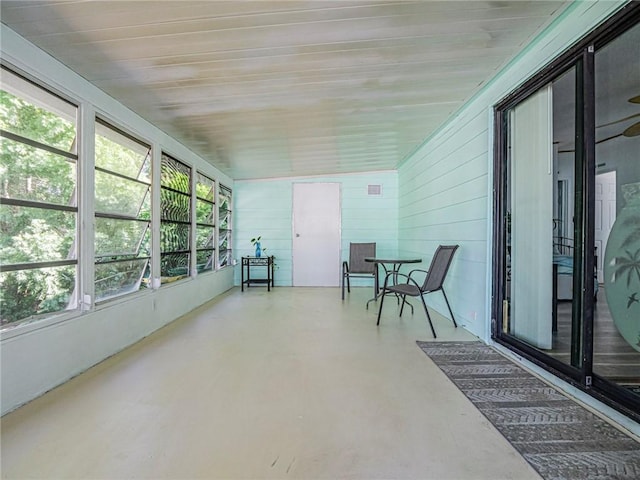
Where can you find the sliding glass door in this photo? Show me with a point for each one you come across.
(567, 229)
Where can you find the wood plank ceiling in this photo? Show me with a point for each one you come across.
(287, 88)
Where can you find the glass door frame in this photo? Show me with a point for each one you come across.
(580, 373)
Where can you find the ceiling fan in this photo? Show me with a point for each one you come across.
(631, 131)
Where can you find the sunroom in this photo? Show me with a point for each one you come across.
(144, 144)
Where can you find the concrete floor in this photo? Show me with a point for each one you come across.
(292, 383)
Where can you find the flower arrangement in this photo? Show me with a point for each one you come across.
(256, 243)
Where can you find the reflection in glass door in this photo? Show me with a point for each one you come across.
(617, 314)
(565, 306)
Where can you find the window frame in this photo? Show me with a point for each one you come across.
(84, 113)
(72, 156)
(188, 224)
(228, 212)
(99, 121)
(211, 226)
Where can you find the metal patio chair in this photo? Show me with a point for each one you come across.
(432, 283)
(357, 267)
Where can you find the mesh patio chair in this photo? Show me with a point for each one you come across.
(432, 283)
(357, 267)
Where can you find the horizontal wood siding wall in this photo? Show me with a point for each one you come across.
(445, 186)
(265, 208)
(444, 200)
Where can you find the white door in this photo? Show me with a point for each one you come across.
(316, 234)
(605, 215)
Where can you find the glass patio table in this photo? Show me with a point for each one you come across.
(390, 265)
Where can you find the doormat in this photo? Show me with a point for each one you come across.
(557, 436)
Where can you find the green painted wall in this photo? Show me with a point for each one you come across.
(264, 207)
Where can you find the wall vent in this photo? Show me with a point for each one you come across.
(374, 190)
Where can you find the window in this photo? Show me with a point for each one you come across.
(224, 229)
(123, 213)
(38, 201)
(205, 226)
(41, 273)
(175, 221)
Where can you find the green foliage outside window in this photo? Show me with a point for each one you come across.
(224, 227)
(23, 118)
(29, 234)
(175, 226)
(122, 192)
(39, 216)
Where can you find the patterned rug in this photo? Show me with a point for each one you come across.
(558, 437)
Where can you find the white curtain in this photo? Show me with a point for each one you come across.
(532, 219)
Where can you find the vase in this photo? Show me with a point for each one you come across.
(622, 267)
(258, 250)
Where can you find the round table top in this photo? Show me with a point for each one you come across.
(392, 260)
